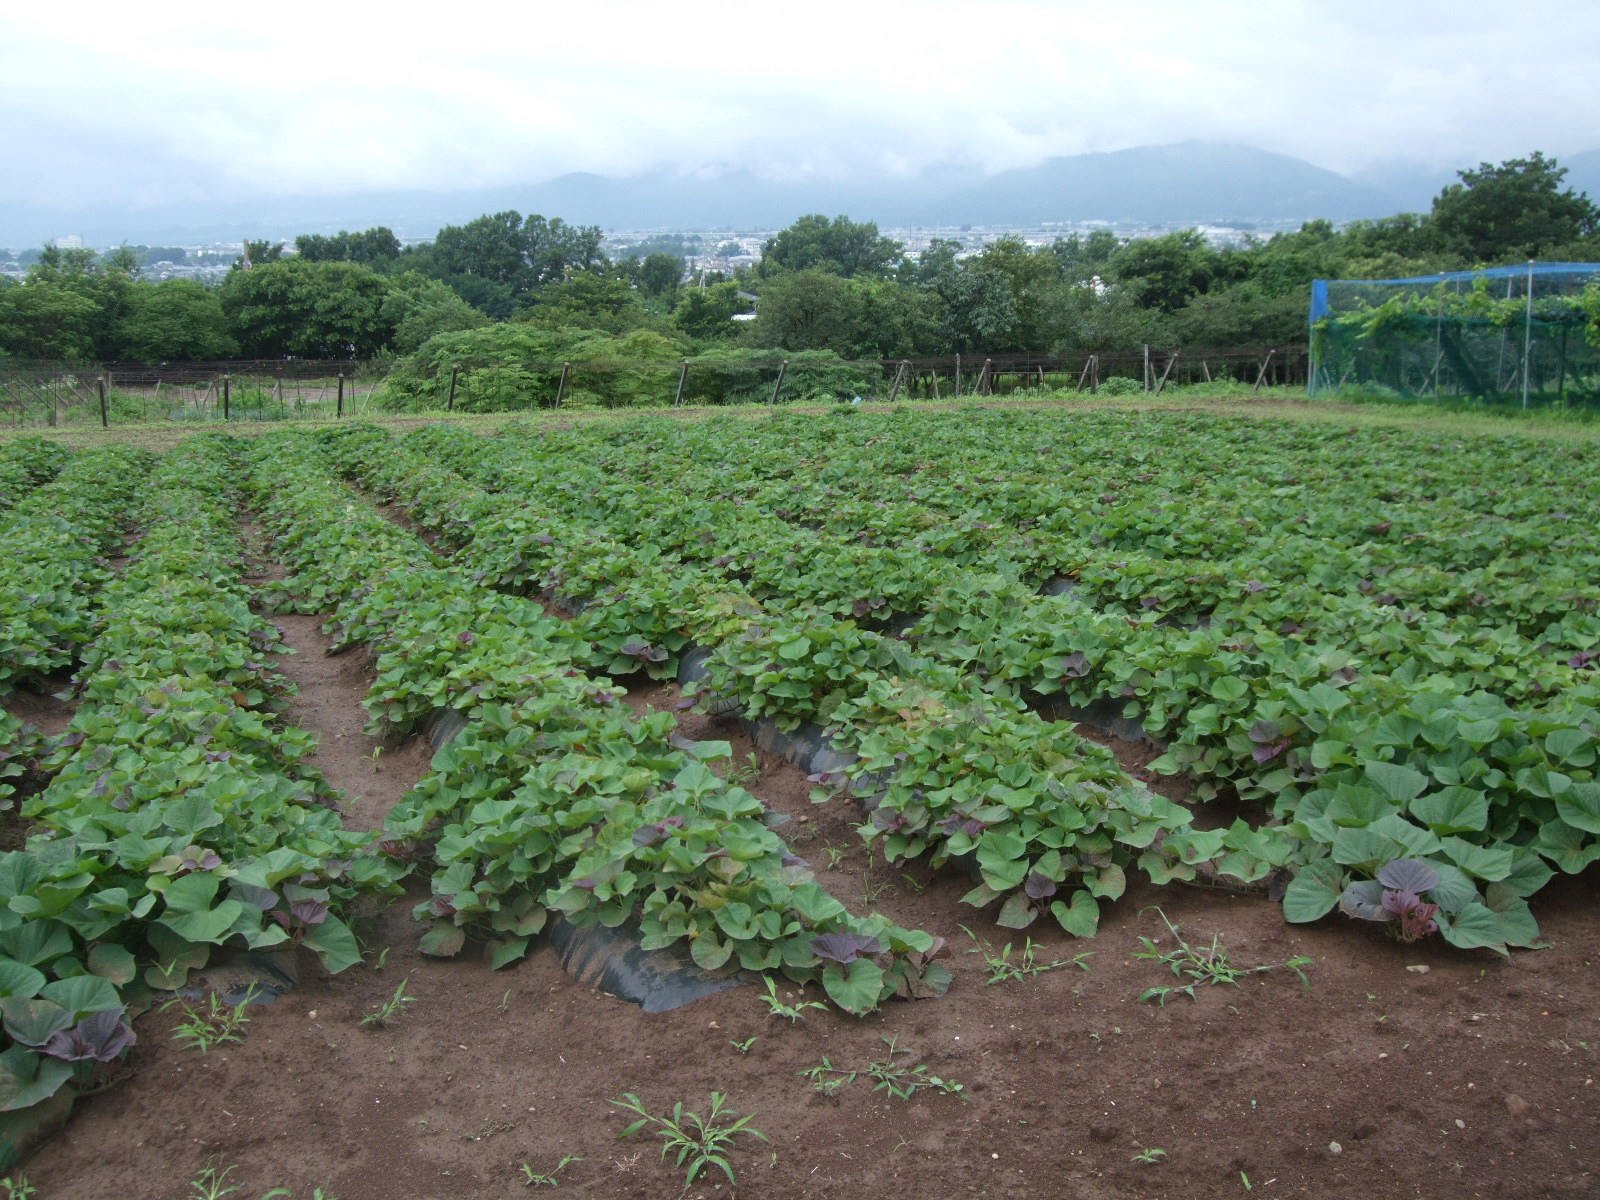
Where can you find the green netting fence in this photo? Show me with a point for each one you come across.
(1503, 335)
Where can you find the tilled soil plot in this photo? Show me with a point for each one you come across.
(1402, 1071)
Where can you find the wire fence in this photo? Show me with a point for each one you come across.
(34, 394)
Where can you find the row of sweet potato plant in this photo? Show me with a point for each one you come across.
(178, 817)
(1051, 821)
(555, 800)
(1476, 756)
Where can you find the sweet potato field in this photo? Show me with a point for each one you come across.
(996, 802)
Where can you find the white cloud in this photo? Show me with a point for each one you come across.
(181, 100)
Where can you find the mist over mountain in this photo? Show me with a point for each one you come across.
(1190, 183)
(1413, 185)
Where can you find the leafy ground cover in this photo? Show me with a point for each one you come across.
(1393, 664)
(914, 589)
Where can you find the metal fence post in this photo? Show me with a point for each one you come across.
(105, 419)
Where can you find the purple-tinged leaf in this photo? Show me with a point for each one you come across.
(1264, 731)
(843, 948)
(887, 820)
(1074, 665)
(309, 912)
(1417, 921)
(1398, 902)
(99, 1037)
(1364, 900)
(1408, 875)
(1039, 887)
(1265, 754)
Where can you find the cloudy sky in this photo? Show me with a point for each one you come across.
(173, 101)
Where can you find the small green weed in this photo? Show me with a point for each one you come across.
(212, 1184)
(827, 1078)
(391, 1008)
(744, 1046)
(777, 1008)
(743, 772)
(216, 1023)
(700, 1141)
(1207, 964)
(18, 1188)
(1149, 1155)
(530, 1178)
(904, 1082)
(1003, 970)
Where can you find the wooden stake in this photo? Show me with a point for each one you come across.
(1165, 373)
(779, 385)
(561, 387)
(683, 376)
(105, 418)
(1262, 374)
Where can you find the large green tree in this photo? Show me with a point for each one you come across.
(375, 247)
(510, 258)
(706, 313)
(1515, 211)
(179, 319)
(419, 308)
(302, 309)
(839, 246)
(45, 320)
(660, 274)
(70, 304)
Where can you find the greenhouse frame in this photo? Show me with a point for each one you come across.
(1501, 335)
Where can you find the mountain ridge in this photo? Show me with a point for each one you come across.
(1167, 186)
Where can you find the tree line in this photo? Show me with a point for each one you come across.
(822, 284)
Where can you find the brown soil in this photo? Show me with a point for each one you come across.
(1402, 1072)
(38, 702)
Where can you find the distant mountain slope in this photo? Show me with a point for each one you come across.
(1203, 183)
(1173, 186)
(1414, 186)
